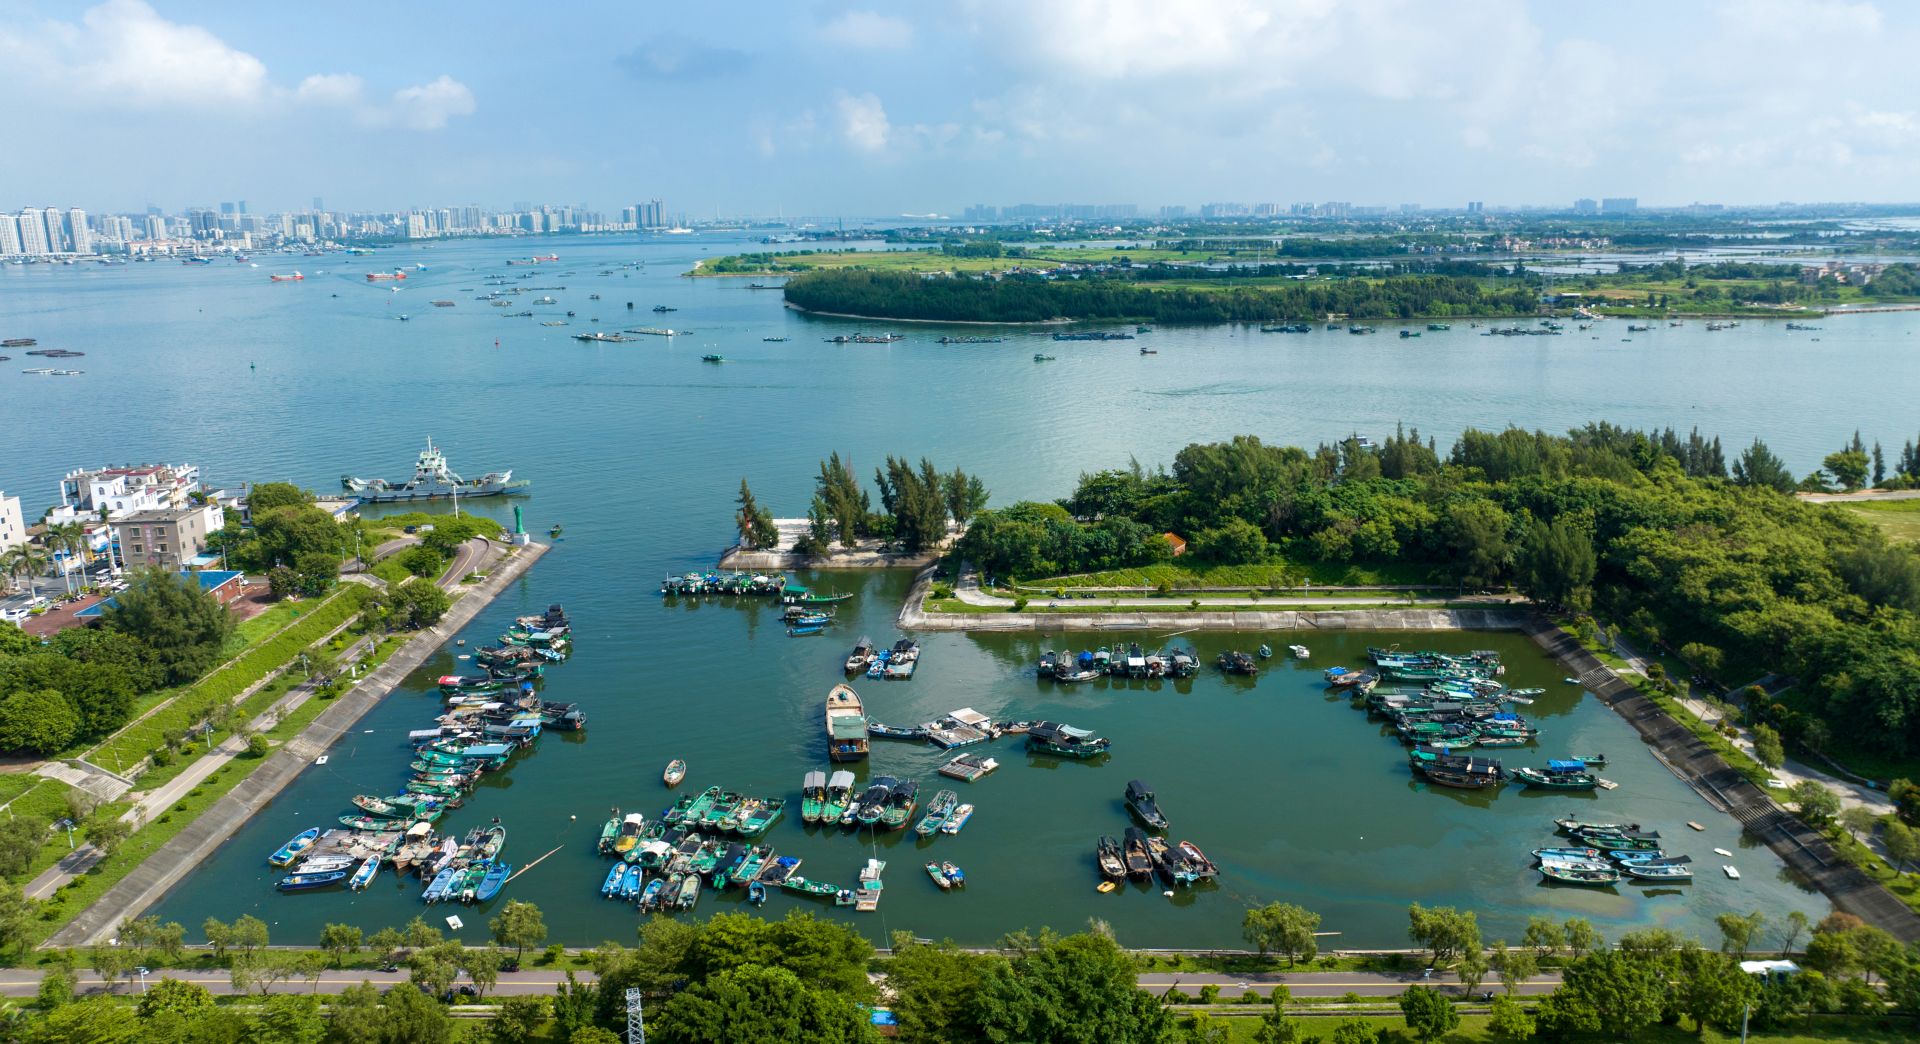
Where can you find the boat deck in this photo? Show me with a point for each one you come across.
(968, 767)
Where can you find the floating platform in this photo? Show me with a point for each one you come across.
(968, 767)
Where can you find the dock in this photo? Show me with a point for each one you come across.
(962, 728)
(968, 767)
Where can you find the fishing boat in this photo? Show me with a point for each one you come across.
(632, 826)
(839, 797)
(1199, 867)
(938, 810)
(365, 874)
(939, 876)
(872, 803)
(1592, 760)
(1236, 662)
(754, 821)
(1634, 841)
(1113, 864)
(650, 896)
(900, 804)
(862, 655)
(757, 894)
(287, 853)
(1299, 651)
(1056, 738)
(846, 725)
(1589, 854)
(1141, 803)
(1558, 775)
(1571, 825)
(818, 889)
(955, 876)
(632, 883)
(957, 820)
(1458, 771)
(307, 881)
(611, 886)
(1137, 855)
(1658, 871)
(1266, 652)
(813, 796)
(1580, 875)
(437, 888)
(676, 771)
(690, 892)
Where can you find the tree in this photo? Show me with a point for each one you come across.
(1514, 967)
(593, 1035)
(1471, 969)
(37, 721)
(1767, 748)
(1282, 928)
(483, 967)
(1544, 936)
(1813, 802)
(283, 582)
(1354, 1031)
(417, 605)
(182, 625)
(520, 926)
(171, 994)
(1758, 466)
(104, 830)
(519, 1020)
(1234, 542)
(1903, 846)
(1077, 988)
(754, 522)
(387, 942)
(1557, 564)
(1607, 991)
(755, 1002)
(266, 496)
(415, 1018)
(1508, 1021)
(1428, 1014)
(422, 561)
(1848, 468)
(1443, 931)
(1790, 932)
(573, 1003)
(1276, 1027)
(965, 495)
(1858, 820)
(1710, 988)
(287, 1019)
(24, 562)
(95, 1020)
(434, 968)
(1477, 537)
(1580, 936)
(340, 940)
(1738, 931)
(936, 991)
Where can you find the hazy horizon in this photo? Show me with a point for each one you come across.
(832, 108)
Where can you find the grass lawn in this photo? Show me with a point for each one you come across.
(1899, 519)
(879, 260)
(1037, 606)
(1833, 1029)
(1266, 576)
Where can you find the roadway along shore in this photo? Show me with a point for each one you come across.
(165, 868)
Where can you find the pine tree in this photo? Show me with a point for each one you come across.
(1879, 464)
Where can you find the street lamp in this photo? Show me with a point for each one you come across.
(144, 972)
(68, 824)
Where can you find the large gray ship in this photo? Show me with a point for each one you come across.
(432, 480)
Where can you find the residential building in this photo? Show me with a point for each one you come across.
(169, 538)
(651, 214)
(33, 231)
(1619, 205)
(13, 526)
(79, 237)
(125, 490)
(1476, 207)
(1585, 206)
(9, 235)
(224, 585)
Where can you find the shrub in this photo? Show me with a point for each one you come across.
(1019, 603)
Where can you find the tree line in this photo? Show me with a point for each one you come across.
(1658, 530)
(917, 503)
(1024, 298)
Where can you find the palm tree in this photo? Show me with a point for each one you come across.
(69, 539)
(26, 562)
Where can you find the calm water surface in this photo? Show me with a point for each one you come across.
(638, 448)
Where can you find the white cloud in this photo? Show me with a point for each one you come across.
(863, 121)
(869, 29)
(428, 106)
(123, 53)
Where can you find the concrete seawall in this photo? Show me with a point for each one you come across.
(151, 880)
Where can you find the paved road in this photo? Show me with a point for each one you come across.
(467, 558)
(1866, 494)
(968, 590)
(24, 982)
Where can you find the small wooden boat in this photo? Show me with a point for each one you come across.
(955, 876)
(1139, 857)
(713, 358)
(1299, 651)
(1592, 760)
(1199, 867)
(804, 886)
(839, 797)
(676, 771)
(1567, 853)
(1141, 803)
(1580, 875)
(1731, 872)
(1113, 864)
(650, 896)
(861, 657)
(364, 876)
(611, 886)
(287, 853)
(437, 888)
(1571, 825)
(757, 894)
(1558, 775)
(957, 820)
(939, 876)
(307, 881)
(492, 881)
(690, 892)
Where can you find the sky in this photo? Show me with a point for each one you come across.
(806, 107)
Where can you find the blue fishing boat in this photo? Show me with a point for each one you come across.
(365, 875)
(611, 886)
(290, 851)
(491, 884)
(630, 884)
(757, 893)
(651, 897)
(305, 882)
(437, 888)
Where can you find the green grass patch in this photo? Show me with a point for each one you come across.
(228, 681)
(1898, 519)
(1267, 576)
(1037, 606)
(789, 262)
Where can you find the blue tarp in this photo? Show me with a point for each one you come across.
(1566, 766)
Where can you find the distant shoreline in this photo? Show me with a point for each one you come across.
(956, 322)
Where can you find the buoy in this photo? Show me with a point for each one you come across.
(1168, 893)
(1106, 886)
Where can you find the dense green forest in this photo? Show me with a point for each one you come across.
(1692, 547)
(1033, 298)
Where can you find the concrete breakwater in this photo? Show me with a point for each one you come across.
(151, 880)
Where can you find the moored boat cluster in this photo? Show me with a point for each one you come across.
(1603, 853)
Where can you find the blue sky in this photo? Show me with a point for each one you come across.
(870, 108)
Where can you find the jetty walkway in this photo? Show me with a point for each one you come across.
(151, 880)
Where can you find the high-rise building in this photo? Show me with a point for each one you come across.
(1476, 207)
(156, 226)
(1173, 212)
(9, 235)
(33, 231)
(651, 214)
(79, 237)
(1619, 205)
(1585, 206)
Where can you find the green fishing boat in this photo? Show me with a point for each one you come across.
(813, 796)
(839, 797)
(1484, 740)
(937, 812)
(372, 823)
(1061, 740)
(1579, 875)
(1558, 775)
(803, 886)
(721, 810)
(748, 868)
(755, 821)
(696, 809)
(827, 599)
(610, 832)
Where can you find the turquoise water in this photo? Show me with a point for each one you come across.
(638, 449)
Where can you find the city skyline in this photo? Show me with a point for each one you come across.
(839, 109)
